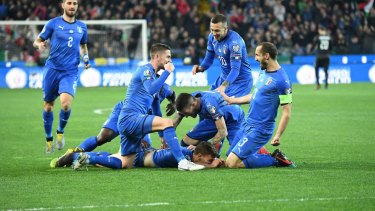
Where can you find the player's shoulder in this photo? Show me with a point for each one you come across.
(81, 23)
(233, 35)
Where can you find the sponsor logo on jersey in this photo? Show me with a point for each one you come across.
(61, 27)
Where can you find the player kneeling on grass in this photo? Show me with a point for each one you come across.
(203, 154)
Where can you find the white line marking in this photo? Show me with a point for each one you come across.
(100, 110)
(156, 204)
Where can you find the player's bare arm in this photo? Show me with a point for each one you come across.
(239, 100)
(285, 116)
(177, 119)
(40, 44)
(221, 131)
(84, 54)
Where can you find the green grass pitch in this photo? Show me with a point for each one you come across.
(331, 138)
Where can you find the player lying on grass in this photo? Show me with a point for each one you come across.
(204, 154)
(109, 129)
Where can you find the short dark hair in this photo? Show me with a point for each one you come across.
(183, 100)
(270, 48)
(205, 148)
(157, 47)
(219, 18)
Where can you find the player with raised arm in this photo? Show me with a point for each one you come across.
(134, 121)
(272, 88)
(109, 129)
(235, 78)
(68, 39)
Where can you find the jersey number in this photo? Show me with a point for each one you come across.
(222, 61)
(324, 45)
(70, 42)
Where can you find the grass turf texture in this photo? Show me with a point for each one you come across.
(330, 137)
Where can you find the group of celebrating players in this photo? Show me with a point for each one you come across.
(139, 114)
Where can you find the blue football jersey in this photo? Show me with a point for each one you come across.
(232, 47)
(138, 99)
(212, 104)
(271, 89)
(164, 158)
(65, 39)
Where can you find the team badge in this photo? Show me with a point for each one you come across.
(236, 48)
(79, 29)
(224, 49)
(268, 82)
(147, 73)
(211, 109)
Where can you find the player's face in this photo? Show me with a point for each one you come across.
(164, 57)
(218, 30)
(261, 58)
(70, 7)
(190, 110)
(205, 159)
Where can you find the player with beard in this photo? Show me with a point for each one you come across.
(272, 88)
(235, 78)
(68, 39)
(134, 121)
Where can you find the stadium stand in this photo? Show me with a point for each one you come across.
(184, 24)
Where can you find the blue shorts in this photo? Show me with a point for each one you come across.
(249, 142)
(56, 82)
(206, 129)
(236, 89)
(111, 122)
(132, 128)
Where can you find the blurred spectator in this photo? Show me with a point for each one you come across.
(290, 24)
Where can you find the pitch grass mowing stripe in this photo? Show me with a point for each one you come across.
(159, 204)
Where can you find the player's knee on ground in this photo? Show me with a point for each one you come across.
(233, 161)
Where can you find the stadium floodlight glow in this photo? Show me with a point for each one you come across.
(124, 25)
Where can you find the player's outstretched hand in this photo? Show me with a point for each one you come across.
(275, 141)
(196, 69)
(169, 67)
(171, 109)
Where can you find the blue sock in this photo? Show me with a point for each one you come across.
(64, 116)
(48, 121)
(89, 144)
(102, 158)
(105, 160)
(259, 161)
(170, 137)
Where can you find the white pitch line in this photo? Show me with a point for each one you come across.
(100, 110)
(156, 204)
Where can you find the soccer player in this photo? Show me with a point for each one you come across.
(204, 154)
(323, 42)
(272, 88)
(68, 37)
(109, 129)
(235, 78)
(134, 121)
(217, 119)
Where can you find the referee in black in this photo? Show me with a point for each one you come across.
(323, 42)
